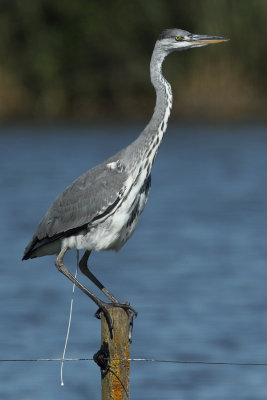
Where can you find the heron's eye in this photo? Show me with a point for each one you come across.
(177, 38)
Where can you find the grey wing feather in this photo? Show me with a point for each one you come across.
(87, 197)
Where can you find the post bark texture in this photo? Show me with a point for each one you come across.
(115, 383)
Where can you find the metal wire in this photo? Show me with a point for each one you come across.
(196, 362)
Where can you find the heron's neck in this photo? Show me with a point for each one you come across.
(154, 131)
(144, 149)
(163, 91)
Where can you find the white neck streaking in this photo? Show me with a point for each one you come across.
(141, 153)
(158, 124)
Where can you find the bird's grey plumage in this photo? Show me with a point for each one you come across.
(86, 198)
(102, 193)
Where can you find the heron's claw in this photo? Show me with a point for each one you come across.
(98, 313)
(126, 306)
(131, 312)
(104, 309)
(131, 317)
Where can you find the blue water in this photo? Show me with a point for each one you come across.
(195, 268)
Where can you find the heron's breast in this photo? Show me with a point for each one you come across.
(113, 232)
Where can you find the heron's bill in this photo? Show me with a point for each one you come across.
(204, 39)
(213, 41)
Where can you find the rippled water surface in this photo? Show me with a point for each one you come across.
(195, 268)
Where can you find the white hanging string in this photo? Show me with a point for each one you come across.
(69, 323)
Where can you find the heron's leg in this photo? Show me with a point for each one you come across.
(85, 270)
(101, 304)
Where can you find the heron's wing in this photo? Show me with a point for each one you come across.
(90, 197)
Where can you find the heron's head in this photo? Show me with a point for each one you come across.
(177, 39)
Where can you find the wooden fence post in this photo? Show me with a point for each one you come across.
(115, 374)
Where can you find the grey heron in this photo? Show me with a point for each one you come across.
(100, 209)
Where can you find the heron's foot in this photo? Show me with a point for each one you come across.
(131, 312)
(103, 308)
